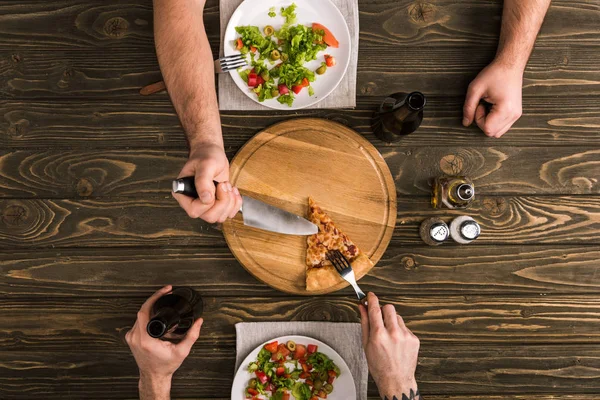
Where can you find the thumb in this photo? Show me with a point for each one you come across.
(474, 94)
(191, 336)
(205, 186)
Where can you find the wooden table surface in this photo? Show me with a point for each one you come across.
(88, 229)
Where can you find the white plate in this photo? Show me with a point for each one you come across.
(255, 12)
(343, 387)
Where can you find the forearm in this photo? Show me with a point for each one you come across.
(187, 67)
(152, 388)
(521, 22)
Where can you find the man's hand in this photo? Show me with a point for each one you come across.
(500, 85)
(157, 359)
(208, 163)
(391, 350)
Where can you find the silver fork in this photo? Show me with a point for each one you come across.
(229, 63)
(344, 268)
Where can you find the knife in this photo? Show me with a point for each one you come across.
(256, 213)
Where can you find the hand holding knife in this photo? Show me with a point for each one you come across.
(256, 213)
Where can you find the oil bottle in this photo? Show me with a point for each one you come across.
(452, 192)
(399, 115)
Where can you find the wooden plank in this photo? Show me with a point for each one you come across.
(382, 69)
(160, 222)
(49, 323)
(208, 372)
(78, 23)
(429, 271)
(152, 123)
(473, 21)
(134, 173)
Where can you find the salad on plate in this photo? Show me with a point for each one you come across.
(278, 58)
(289, 369)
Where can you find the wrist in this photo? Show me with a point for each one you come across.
(396, 387)
(511, 64)
(154, 386)
(199, 144)
(209, 135)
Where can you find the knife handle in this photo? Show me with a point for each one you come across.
(187, 186)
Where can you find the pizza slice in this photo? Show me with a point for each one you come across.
(320, 273)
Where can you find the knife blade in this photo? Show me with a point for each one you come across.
(256, 213)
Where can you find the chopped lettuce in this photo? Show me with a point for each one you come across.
(311, 91)
(286, 99)
(301, 391)
(251, 36)
(290, 14)
(272, 13)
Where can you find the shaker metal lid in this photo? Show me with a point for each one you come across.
(470, 230)
(439, 232)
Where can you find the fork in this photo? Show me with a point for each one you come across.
(344, 268)
(226, 64)
(222, 65)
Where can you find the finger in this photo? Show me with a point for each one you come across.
(364, 324)
(205, 185)
(220, 207)
(191, 336)
(144, 313)
(480, 115)
(474, 94)
(238, 203)
(390, 318)
(230, 203)
(401, 323)
(375, 318)
(495, 121)
(504, 129)
(193, 207)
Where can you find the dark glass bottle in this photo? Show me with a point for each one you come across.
(174, 313)
(399, 115)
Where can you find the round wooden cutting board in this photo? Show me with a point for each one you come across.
(290, 161)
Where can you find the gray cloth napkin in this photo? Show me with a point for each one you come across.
(345, 338)
(344, 96)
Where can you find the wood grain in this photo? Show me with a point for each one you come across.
(289, 162)
(382, 69)
(77, 23)
(48, 323)
(499, 270)
(473, 22)
(467, 372)
(532, 370)
(134, 172)
(160, 222)
(152, 123)
(88, 229)
(97, 223)
(514, 220)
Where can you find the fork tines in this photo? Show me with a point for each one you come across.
(340, 263)
(232, 62)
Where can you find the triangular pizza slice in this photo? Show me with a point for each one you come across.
(320, 274)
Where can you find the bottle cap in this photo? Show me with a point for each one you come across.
(465, 192)
(178, 186)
